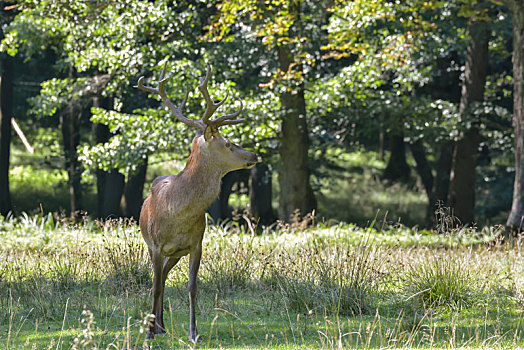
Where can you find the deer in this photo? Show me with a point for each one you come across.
(172, 220)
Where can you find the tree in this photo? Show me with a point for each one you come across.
(404, 60)
(260, 194)
(6, 112)
(219, 209)
(397, 167)
(282, 28)
(110, 183)
(296, 192)
(70, 98)
(462, 186)
(394, 51)
(516, 215)
(91, 41)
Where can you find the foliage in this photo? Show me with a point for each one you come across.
(115, 39)
(296, 25)
(368, 68)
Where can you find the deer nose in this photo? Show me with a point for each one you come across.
(254, 160)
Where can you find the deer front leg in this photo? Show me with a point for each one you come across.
(194, 264)
(157, 325)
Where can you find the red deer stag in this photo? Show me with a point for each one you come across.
(172, 220)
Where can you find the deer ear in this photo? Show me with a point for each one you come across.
(208, 133)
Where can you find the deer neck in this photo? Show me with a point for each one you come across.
(201, 179)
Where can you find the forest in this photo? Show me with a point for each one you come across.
(354, 108)
(385, 209)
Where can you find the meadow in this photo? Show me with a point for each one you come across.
(301, 285)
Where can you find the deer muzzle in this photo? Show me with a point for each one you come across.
(252, 161)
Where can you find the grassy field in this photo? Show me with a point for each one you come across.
(88, 286)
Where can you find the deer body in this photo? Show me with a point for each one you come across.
(172, 220)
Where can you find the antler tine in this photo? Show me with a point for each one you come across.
(163, 74)
(232, 122)
(177, 111)
(225, 119)
(183, 103)
(161, 83)
(211, 106)
(141, 86)
(160, 89)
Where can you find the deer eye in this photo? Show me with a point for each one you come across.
(228, 144)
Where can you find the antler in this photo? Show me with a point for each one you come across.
(211, 106)
(176, 110)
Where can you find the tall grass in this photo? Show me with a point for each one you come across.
(340, 280)
(443, 280)
(88, 286)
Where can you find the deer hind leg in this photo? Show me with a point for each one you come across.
(194, 264)
(157, 326)
(168, 264)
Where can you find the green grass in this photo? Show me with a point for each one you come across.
(352, 191)
(88, 286)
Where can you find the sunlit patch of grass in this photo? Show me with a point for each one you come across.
(442, 280)
(352, 191)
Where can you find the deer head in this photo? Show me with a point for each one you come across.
(208, 144)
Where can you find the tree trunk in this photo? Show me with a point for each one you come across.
(447, 87)
(462, 187)
(109, 184)
(110, 187)
(295, 188)
(463, 174)
(397, 167)
(516, 215)
(381, 144)
(6, 111)
(423, 168)
(70, 118)
(260, 193)
(219, 209)
(134, 192)
(436, 187)
(440, 191)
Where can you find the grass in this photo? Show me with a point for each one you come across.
(87, 286)
(351, 190)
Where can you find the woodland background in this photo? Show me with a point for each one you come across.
(402, 108)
